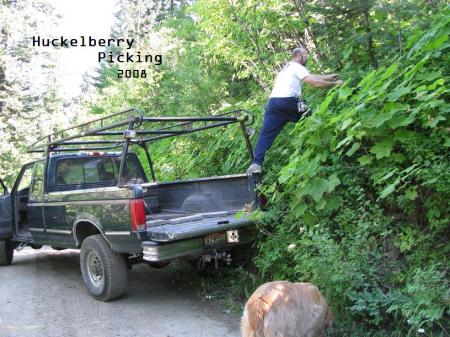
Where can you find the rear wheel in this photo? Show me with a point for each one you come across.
(104, 271)
(6, 252)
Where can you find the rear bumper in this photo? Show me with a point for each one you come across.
(158, 251)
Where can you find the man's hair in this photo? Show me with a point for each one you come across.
(298, 52)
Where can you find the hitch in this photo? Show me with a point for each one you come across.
(216, 257)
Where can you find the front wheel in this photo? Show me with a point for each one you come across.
(6, 252)
(104, 271)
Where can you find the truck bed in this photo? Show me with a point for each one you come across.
(196, 207)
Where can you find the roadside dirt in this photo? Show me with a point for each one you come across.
(42, 294)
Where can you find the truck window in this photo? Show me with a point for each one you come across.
(37, 185)
(69, 172)
(79, 171)
(131, 173)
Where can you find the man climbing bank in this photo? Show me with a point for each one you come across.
(283, 105)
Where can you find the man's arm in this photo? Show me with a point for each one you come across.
(318, 82)
(328, 78)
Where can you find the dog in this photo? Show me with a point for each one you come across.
(285, 309)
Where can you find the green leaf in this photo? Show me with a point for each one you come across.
(347, 52)
(447, 142)
(411, 194)
(353, 149)
(345, 141)
(299, 209)
(399, 157)
(333, 203)
(435, 121)
(346, 123)
(239, 215)
(332, 182)
(388, 73)
(325, 104)
(365, 160)
(394, 107)
(404, 136)
(317, 188)
(389, 189)
(399, 92)
(344, 92)
(401, 120)
(382, 149)
(436, 43)
(387, 176)
(309, 218)
(381, 118)
(429, 76)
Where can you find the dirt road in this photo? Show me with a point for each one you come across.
(42, 294)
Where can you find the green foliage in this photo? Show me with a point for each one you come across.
(368, 195)
(29, 100)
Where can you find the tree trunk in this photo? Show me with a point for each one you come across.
(370, 49)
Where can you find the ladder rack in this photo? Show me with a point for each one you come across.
(131, 126)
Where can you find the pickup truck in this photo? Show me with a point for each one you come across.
(103, 203)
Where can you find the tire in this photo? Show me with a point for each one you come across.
(6, 252)
(104, 271)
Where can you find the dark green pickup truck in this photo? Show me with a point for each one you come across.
(82, 195)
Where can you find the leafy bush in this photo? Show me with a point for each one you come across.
(367, 194)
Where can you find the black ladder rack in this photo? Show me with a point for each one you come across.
(131, 126)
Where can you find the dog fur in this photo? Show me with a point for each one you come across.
(285, 309)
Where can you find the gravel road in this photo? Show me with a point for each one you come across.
(42, 294)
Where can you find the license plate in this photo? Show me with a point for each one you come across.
(215, 238)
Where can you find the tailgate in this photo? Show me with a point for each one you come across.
(195, 225)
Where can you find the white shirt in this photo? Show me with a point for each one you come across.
(287, 82)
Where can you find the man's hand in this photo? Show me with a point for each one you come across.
(317, 81)
(334, 77)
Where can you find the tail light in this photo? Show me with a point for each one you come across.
(137, 215)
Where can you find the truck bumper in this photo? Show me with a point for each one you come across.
(164, 251)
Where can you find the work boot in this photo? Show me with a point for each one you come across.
(254, 168)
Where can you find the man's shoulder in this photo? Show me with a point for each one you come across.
(297, 67)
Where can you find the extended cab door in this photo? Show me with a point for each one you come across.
(5, 212)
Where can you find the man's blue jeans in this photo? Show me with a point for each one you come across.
(279, 111)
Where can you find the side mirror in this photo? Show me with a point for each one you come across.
(5, 189)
